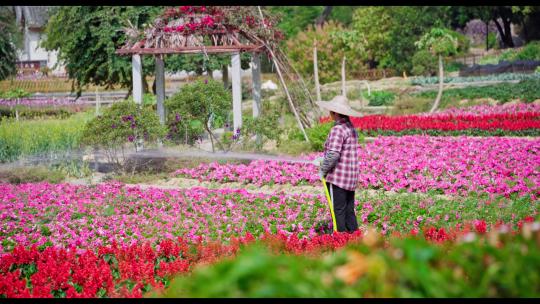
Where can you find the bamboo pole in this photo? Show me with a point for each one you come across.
(278, 70)
(316, 71)
(343, 88)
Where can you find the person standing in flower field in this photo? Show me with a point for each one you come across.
(340, 164)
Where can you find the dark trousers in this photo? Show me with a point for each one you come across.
(343, 201)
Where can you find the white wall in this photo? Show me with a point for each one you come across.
(32, 51)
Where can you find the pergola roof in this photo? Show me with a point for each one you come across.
(190, 34)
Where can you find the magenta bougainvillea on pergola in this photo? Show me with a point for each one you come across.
(209, 30)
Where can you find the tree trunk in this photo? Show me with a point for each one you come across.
(225, 77)
(506, 35)
(343, 79)
(210, 135)
(145, 86)
(439, 94)
(209, 73)
(322, 18)
(316, 71)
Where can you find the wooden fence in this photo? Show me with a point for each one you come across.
(374, 74)
(473, 59)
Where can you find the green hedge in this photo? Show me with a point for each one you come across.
(408, 267)
(497, 77)
(527, 91)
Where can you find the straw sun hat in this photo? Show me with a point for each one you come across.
(339, 104)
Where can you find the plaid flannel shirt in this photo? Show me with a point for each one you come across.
(344, 140)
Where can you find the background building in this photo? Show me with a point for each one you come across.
(32, 21)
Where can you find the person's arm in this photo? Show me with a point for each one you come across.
(330, 161)
(333, 152)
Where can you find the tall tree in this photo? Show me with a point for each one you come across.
(10, 38)
(502, 16)
(324, 16)
(440, 42)
(389, 32)
(86, 38)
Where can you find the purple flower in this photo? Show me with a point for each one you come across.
(206, 81)
(178, 117)
(133, 125)
(113, 126)
(131, 138)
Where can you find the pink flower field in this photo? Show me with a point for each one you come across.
(449, 165)
(84, 217)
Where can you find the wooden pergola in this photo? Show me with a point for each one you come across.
(165, 38)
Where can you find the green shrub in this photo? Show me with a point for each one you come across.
(527, 91)
(398, 267)
(333, 42)
(123, 122)
(267, 126)
(529, 52)
(39, 137)
(508, 55)
(380, 98)
(32, 175)
(459, 79)
(410, 104)
(424, 63)
(492, 41)
(453, 66)
(317, 135)
(193, 107)
(464, 43)
(489, 59)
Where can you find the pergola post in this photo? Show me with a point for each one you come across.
(256, 79)
(136, 69)
(160, 88)
(160, 91)
(236, 90)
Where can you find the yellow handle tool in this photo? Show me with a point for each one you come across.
(330, 203)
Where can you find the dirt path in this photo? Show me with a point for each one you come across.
(186, 183)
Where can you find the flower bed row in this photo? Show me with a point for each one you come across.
(483, 120)
(131, 270)
(67, 215)
(481, 110)
(511, 122)
(127, 270)
(44, 102)
(497, 77)
(493, 265)
(410, 163)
